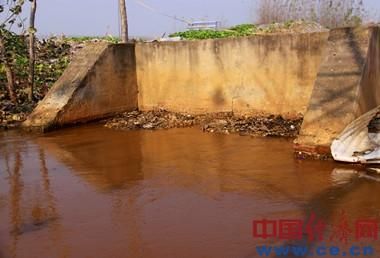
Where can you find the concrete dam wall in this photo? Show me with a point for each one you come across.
(271, 74)
(330, 78)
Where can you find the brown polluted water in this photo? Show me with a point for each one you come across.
(96, 192)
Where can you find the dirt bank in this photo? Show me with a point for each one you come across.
(225, 123)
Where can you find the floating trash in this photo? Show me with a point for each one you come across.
(360, 141)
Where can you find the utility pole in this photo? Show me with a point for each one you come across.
(123, 21)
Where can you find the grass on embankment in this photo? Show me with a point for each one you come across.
(243, 30)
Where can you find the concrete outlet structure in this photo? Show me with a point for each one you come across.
(329, 78)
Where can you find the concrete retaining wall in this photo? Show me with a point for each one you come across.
(329, 77)
(347, 85)
(100, 81)
(272, 74)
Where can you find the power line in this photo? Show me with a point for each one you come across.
(148, 7)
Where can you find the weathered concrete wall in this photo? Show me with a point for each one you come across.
(100, 81)
(369, 90)
(272, 74)
(338, 72)
(347, 85)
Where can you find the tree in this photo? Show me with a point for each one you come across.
(11, 9)
(329, 13)
(32, 55)
(7, 68)
(123, 21)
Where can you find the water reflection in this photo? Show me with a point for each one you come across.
(15, 195)
(343, 199)
(107, 161)
(92, 192)
(31, 205)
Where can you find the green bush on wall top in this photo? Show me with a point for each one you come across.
(236, 31)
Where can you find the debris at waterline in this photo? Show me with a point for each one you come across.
(225, 123)
(12, 115)
(312, 156)
(359, 142)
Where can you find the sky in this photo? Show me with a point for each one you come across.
(100, 17)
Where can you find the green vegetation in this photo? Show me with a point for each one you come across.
(80, 39)
(29, 66)
(245, 29)
(52, 57)
(237, 31)
(242, 30)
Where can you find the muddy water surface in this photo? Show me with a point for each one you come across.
(95, 192)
